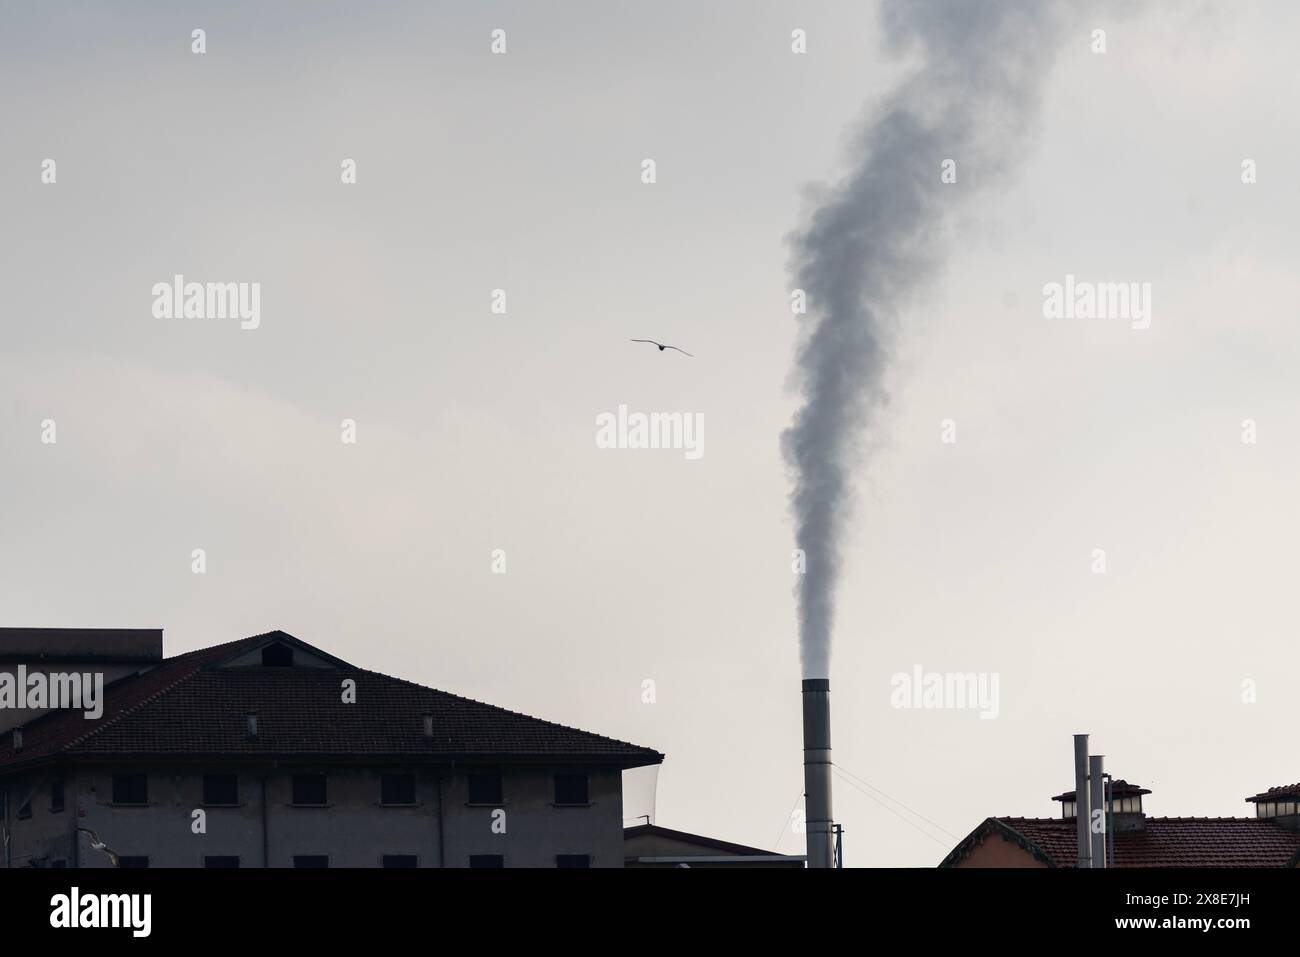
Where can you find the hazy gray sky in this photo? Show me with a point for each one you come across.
(476, 431)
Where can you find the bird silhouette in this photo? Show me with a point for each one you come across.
(662, 347)
(99, 845)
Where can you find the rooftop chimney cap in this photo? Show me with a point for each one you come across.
(18, 739)
(251, 718)
(1117, 789)
(1281, 792)
(428, 724)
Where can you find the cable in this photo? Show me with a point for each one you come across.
(863, 780)
(787, 820)
(849, 781)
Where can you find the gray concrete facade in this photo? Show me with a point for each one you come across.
(353, 829)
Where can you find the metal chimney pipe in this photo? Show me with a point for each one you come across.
(818, 820)
(18, 739)
(1110, 820)
(1097, 807)
(1081, 800)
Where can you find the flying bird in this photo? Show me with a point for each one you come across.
(99, 845)
(662, 347)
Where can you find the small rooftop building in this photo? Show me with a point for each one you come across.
(648, 845)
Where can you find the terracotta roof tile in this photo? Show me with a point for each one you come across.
(1172, 841)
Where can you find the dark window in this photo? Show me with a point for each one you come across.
(221, 861)
(277, 656)
(309, 789)
(311, 860)
(221, 789)
(485, 789)
(25, 810)
(397, 789)
(56, 795)
(486, 860)
(571, 789)
(126, 861)
(573, 860)
(399, 860)
(130, 789)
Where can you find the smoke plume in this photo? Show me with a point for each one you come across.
(876, 237)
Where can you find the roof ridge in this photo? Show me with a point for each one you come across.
(210, 648)
(1006, 817)
(185, 676)
(1149, 818)
(518, 714)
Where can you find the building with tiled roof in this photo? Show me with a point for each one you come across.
(268, 751)
(649, 845)
(1270, 839)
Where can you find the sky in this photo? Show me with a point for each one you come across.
(476, 431)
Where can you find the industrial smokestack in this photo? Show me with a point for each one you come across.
(817, 771)
(870, 245)
(1097, 803)
(1081, 800)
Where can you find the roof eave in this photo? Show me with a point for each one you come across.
(992, 825)
(440, 758)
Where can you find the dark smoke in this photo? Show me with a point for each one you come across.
(876, 238)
